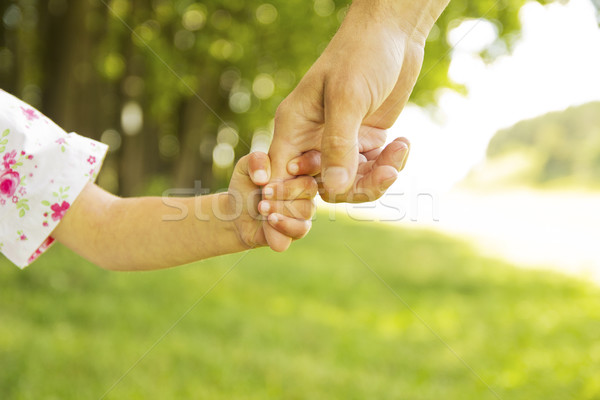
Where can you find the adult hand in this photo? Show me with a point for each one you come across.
(377, 171)
(354, 92)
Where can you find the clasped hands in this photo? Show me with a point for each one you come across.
(330, 131)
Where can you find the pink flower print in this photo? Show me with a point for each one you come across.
(45, 214)
(9, 159)
(41, 249)
(2, 202)
(91, 160)
(34, 256)
(30, 114)
(22, 153)
(15, 199)
(61, 141)
(30, 157)
(45, 223)
(23, 237)
(9, 180)
(59, 210)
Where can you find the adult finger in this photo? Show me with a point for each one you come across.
(373, 154)
(394, 154)
(308, 163)
(300, 187)
(284, 147)
(375, 176)
(339, 144)
(383, 172)
(369, 187)
(370, 138)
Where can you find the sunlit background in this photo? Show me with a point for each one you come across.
(535, 199)
(475, 277)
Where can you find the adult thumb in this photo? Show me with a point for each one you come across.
(339, 147)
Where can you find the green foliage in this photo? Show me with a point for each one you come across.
(312, 323)
(564, 147)
(193, 67)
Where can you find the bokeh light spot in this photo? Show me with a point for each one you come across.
(132, 118)
(223, 155)
(12, 17)
(112, 138)
(324, 8)
(263, 86)
(261, 140)
(266, 14)
(168, 146)
(228, 135)
(240, 101)
(194, 18)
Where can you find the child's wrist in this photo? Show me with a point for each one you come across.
(230, 216)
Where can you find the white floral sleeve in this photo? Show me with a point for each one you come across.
(42, 171)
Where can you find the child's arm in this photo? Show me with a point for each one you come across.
(149, 233)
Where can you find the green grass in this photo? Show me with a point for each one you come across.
(313, 323)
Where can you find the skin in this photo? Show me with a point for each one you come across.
(334, 124)
(149, 233)
(344, 104)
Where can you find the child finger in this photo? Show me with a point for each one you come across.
(276, 240)
(301, 187)
(308, 163)
(291, 227)
(301, 209)
(259, 168)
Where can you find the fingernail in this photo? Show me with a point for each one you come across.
(335, 177)
(268, 192)
(385, 185)
(293, 168)
(273, 218)
(264, 207)
(260, 176)
(401, 154)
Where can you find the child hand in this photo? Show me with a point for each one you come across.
(287, 206)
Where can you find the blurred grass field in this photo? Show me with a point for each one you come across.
(312, 323)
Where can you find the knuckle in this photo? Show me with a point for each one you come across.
(306, 210)
(337, 143)
(312, 187)
(307, 224)
(282, 110)
(344, 86)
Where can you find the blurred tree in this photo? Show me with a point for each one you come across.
(564, 147)
(180, 88)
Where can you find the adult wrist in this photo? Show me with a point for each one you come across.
(412, 18)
